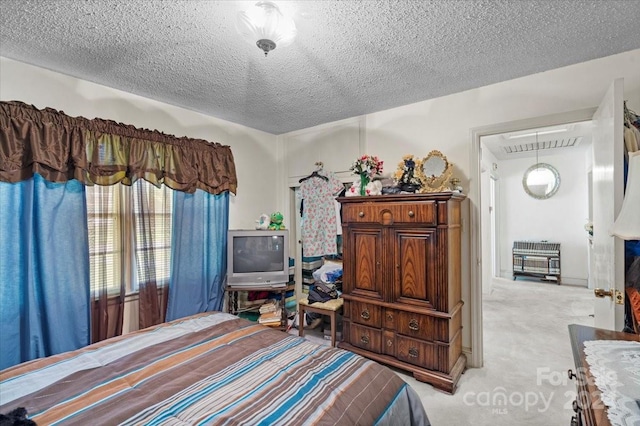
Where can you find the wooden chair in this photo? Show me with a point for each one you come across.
(634, 300)
(330, 308)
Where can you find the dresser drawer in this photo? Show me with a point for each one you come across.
(428, 327)
(389, 213)
(417, 352)
(366, 313)
(365, 337)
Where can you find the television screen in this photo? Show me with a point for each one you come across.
(258, 254)
(257, 257)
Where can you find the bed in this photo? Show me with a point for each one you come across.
(211, 368)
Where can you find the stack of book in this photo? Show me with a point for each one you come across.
(270, 314)
(309, 265)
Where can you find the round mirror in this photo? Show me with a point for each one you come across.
(541, 181)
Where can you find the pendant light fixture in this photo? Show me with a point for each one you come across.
(266, 26)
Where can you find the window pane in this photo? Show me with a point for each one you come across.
(129, 230)
(152, 218)
(105, 248)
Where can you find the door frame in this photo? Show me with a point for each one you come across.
(476, 358)
(495, 221)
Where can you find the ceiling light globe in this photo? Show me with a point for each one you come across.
(266, 26)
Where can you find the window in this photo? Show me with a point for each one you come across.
(129, 235)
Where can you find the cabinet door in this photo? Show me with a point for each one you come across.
(362, 275)
(416, 266)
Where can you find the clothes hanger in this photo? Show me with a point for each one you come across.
(315, 173)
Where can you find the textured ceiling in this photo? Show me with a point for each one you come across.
(349, 58)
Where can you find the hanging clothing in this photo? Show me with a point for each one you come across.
(319, 223)
(631, 139)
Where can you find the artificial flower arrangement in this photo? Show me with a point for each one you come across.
(367, 167)
(405, 174)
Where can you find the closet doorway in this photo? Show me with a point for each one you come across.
(295, 206)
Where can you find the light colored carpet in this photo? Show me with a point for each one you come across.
(315, 335)
(527, 353)
(526, 357)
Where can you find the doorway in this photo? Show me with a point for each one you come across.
(607, 194)
(482, 203)
(528, 217)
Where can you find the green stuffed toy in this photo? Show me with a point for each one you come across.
(276, 221)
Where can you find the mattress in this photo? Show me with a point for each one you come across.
(212, 368)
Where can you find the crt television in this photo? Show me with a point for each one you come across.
(257, 258)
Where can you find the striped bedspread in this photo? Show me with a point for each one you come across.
(211, 368)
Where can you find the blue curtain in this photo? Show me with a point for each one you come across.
(198, 253)
(44, 269)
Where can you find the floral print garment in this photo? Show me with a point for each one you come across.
(319, 223)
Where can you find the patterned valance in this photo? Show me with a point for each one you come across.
(103, 152)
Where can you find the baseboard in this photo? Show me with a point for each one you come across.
(581, 282)
(467, 352)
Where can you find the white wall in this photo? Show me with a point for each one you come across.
(255, 152)
(559, 219)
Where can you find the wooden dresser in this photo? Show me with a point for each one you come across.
(589, 409)
(401, 283)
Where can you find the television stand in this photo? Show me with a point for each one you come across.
(279, 285)
(232, 293)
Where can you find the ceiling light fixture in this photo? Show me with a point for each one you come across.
(266, 26)
(544, 132)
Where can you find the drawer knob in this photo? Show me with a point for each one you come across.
(365, 315)
(575, 406)
(389, 316)
(413, 325)
(411, 213)
(571, 374)
(361, 214)
(413, 352)
(364, 339)
(389, 343)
